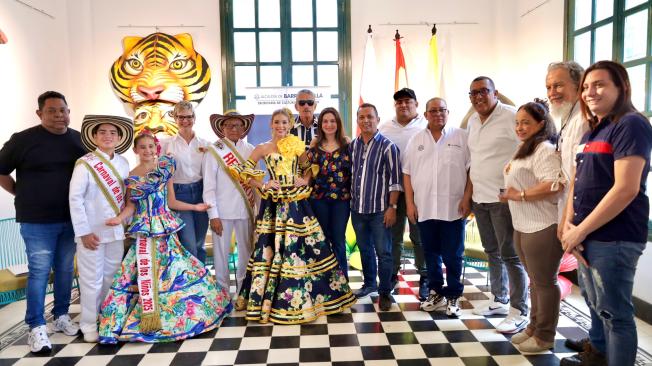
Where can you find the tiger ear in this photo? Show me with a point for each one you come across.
(129, 42)
(186, 40)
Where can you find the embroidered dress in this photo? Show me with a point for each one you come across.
(292, 276)
(189, 302)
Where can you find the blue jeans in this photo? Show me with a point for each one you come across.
(374, 239)
(505, 268)
(333, 215)
(48, 246)
(607, 284)
(193, 235)
(443, 241)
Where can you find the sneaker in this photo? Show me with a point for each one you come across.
(453, 309)
(423, 288)
(434, 302)
(577, 345)
(492, 308)
(531, 345)
(385, 302)
(64, 324)
(519, 337)
(514, 322)
(365, 291)
(38, 340)
(91, 337)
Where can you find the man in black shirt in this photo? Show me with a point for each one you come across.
(43, 157)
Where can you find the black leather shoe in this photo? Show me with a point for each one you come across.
(384, 302)
(576, 345)
(423, 288)
(589, 357)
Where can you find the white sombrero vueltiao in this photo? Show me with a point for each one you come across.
(124, 125)
(217, 120)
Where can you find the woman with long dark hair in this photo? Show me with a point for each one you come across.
(606, 222)
(331, 186)
(533, 181)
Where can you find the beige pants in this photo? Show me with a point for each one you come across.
(541, 253)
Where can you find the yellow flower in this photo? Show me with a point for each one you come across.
(291, 146)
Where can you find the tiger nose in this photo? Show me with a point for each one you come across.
(151, 93)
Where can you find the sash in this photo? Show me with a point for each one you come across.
(150, 321)
(107, 178)
(227, 155)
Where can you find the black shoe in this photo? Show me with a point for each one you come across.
(589, 357)
(365, 291)
(576, 345)
(423, 288)
(394, 285)
(385, 302)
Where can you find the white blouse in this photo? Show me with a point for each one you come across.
(188, 157)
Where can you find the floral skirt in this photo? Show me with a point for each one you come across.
(190, 302)
(292, 276)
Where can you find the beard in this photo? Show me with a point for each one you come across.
(559, 111)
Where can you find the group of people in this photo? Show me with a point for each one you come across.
(535, 193)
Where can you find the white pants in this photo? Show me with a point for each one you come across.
(222, 247)
(96, 270)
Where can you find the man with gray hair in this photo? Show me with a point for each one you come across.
(305, 125)
(562, 86)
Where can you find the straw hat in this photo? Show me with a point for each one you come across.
(124, 125)
(217, 120)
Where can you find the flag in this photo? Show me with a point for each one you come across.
(435, 80)
(368, 76)
(400, 76)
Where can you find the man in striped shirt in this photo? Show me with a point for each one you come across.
(305, 125)
(375, 187)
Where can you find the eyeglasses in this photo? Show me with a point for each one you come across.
(484, 92)
(180, 116)
(232, 126)
(309, 102)
(438, 110)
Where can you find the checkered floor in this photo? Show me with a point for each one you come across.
(362, 336)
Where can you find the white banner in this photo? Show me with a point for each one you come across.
(265, 100)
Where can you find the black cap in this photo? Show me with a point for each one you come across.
(405, 92)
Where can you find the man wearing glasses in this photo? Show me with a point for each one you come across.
(492, 143)
(405, 124)
(305, 125)
(438, 198)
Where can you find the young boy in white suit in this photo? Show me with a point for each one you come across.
(97, 193)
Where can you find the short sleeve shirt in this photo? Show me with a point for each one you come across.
(594, 177)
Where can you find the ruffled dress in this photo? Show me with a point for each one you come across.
(292, 276)
(190, 302)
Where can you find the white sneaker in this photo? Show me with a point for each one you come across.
(434, 302)
(38, 340)
(64, 324)
(492, 307)
(514, 322)
(453, 307)
(91, 337)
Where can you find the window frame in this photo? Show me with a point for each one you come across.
(617, 50)
(227, 30)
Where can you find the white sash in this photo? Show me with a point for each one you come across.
(227, 155)
(107, 178)
(147, 283)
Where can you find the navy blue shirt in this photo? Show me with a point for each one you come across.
(375, 171)
(594, 177)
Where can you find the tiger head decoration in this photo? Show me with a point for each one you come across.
(156, 72)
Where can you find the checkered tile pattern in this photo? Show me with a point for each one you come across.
(362, 336)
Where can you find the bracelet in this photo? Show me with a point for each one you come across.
(523, 196)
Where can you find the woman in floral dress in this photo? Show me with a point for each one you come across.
(162, 293)
(293, 276)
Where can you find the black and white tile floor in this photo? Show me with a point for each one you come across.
(362, 336)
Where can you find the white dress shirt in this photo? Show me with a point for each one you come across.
(399, 134)
(89, 209)
(492, 145)
(219, 190)
(188, 157)
(572, 130)
(544, 165)
(437, 171)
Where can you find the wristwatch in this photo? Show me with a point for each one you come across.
(394, 206)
